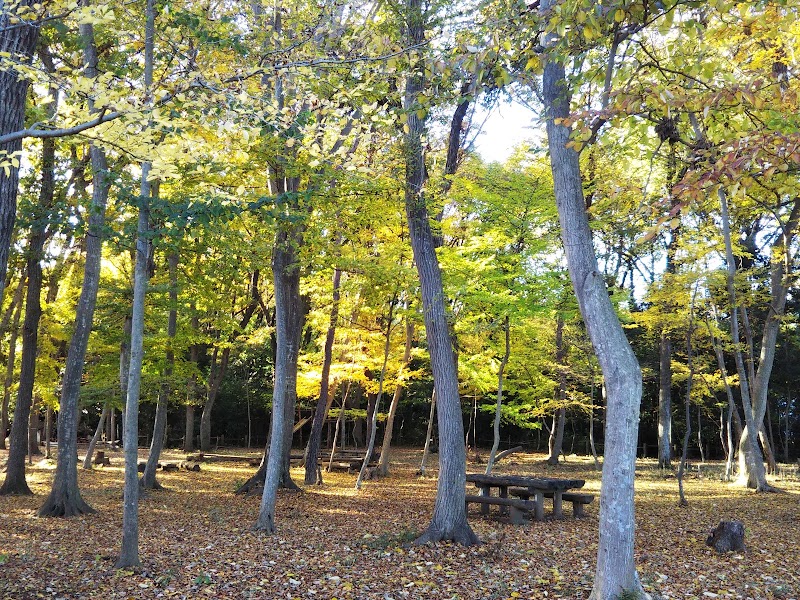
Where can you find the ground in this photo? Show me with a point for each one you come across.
(334, 542)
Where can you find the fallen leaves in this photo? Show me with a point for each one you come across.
(196, 541)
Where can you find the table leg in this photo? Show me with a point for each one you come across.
(557, 512)
(538, 510)
(485, 491)
(503, 494)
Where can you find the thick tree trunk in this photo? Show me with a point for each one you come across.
(65, 498)
(325, 399)
(499, 405)
(148, 480)
(449, 520)
(383, 465)
(616, 570)
(188, 436)
(16, 306)
(18, 41)
(665, 403)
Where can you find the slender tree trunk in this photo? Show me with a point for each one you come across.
(191, 386)
(87, 461)
(374, 417)
(12, 355)
(288, 317)
(19, 41)
(700, 435)
(616, 569)
(591, 428)
(34, 422)
(383, 464)
(188, 439)
(751, 461)
(48, 431)
(15, 469)
(339, 422)
(148, 480)
(556, 441)
(428, 435)
(65, 498)
(449, 519)
(325, 399)
(129, 552)
(218, 368)
(665, 403)
(499, 405)
(687, 402)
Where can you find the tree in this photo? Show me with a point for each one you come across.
(616, 570)
(65, 498)
(449, 520)
(20, 35)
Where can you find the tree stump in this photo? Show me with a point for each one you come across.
(141, 467)
(728, 536)
(99, 457)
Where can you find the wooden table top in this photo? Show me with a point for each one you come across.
(547, 484)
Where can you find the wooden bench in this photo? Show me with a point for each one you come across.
(578, 500)
(518, 508)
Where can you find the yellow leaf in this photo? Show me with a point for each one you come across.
(619, 16)
(290, 142)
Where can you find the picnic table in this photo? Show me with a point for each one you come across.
(527, 495)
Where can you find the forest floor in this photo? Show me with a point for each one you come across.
(334, 542)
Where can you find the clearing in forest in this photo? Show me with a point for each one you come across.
(334, 542)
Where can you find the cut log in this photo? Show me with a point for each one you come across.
(141, 467)
(167, 467)
(189, 465)
(728, 536)
(100, 458)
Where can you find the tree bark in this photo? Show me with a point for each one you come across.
(616, 570)
(16, 308)
(15, 470)
(449, 520)
(373, 422)
(665, 402)
(556, 441)
(65, 498)
(148, 480)
(191, 386)
(129, 551)
(383, 464)
(499, 405)
(288, 317)
(87, 461)
(325, 399)
(18, 41)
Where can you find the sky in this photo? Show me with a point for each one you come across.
(507, 126)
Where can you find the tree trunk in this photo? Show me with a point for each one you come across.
(218, 368)
(428, 435)
(325, 398)
(616, 570)
(148, 480)
(48, 431)
(18, 41)
(15, 470)
(87, 461)
(188, 439)
(288, 317)
(687, 402)
(129, 552)
(449, 520)
(12, 355)
(556, 441)
(383, 465)
(65, 498)
(373, 420)
(34, 422)
(499, 405)
(665, 403)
